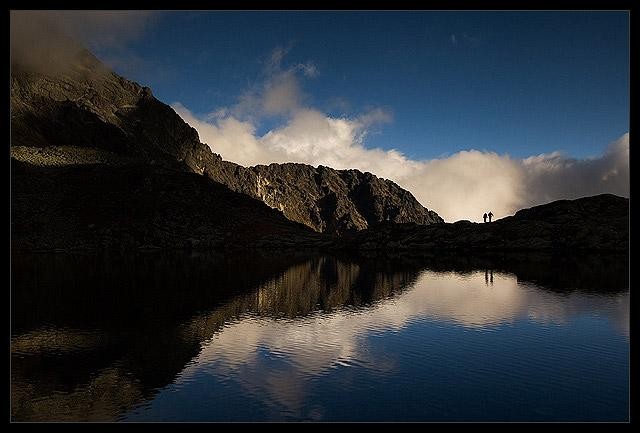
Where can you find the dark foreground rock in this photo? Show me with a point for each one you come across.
(137, 206)
(598, 223)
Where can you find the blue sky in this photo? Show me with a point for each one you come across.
(516, 83)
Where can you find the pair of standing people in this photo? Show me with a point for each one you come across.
(487, 215)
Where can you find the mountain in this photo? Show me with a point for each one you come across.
(97, 162)
(89, 113)
(132, 206)
(597, 223)
(331, 201)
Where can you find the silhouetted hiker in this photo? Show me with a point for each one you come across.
(490, 215)
(485, 217)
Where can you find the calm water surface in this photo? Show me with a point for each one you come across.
(197, 337)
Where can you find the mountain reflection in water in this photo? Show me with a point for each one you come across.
(207, 337)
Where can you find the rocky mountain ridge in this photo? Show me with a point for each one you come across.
(89, 106)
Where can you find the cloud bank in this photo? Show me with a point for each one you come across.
(461, 186)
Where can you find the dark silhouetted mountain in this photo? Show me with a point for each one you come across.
(87, 114)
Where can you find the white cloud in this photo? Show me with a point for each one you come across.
(461, 186)
(282, 94)
(234, 139)
(467, 184)
(273, 64)
(553, 175)
(308, 69)
(308, 136)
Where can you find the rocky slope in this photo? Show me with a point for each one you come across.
(598, 223)
(88, 106)
(336, 201)
(133, 206)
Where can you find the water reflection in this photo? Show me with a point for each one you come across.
(103, 338)
(488, 277)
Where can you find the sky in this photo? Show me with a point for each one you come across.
(470, 111)
(516, 82)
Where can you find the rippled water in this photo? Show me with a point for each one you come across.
(189, 337)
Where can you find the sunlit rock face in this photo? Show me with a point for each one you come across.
(336, 201)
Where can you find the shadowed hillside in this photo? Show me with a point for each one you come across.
(598, 223)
